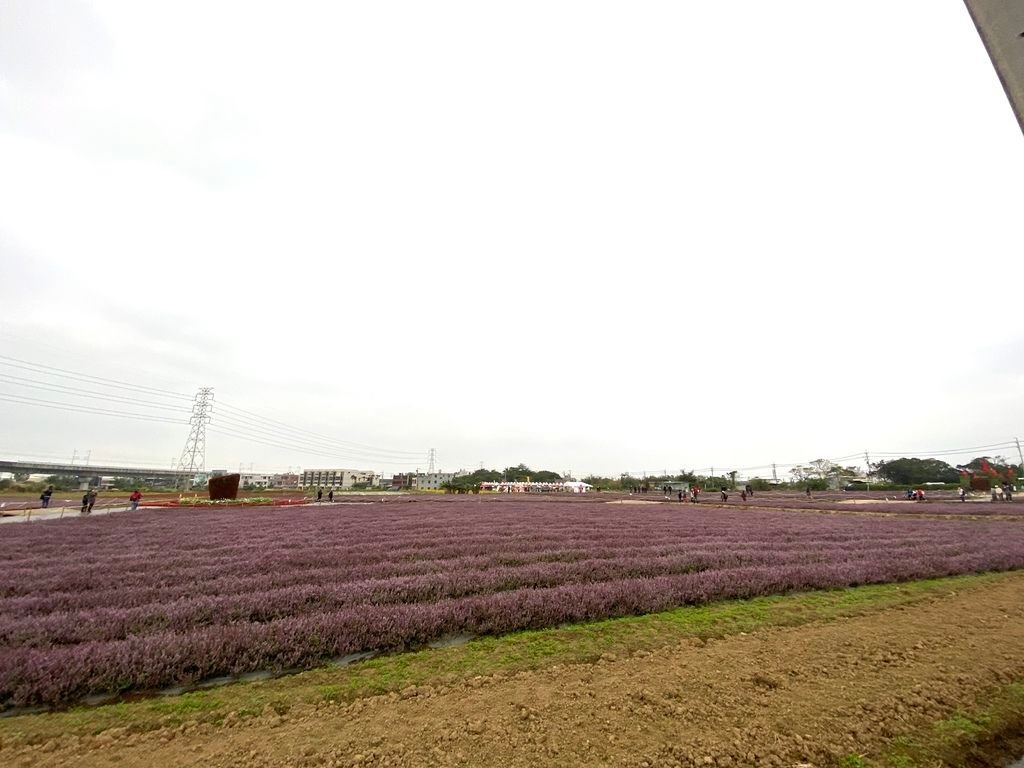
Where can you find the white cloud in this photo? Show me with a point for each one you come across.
(575, 234)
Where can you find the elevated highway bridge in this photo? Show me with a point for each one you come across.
(83, 471)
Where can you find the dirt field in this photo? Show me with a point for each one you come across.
(928, 676)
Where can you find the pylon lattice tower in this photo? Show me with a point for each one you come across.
(430, 460)
(193, 456)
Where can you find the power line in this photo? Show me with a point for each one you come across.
(312, 450)
(299, 449)
(88, 409)
(307, 432)
(63, 373)
(947, 452)
(20, 381)
(270, 433)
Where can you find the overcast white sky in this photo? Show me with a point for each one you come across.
(584, 235)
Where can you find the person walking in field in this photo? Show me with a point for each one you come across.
(319, 495)
(45, 498)
(808, 491)
(330, 495)
(92, 500)
(725, 495)
(743, 494)
(85, 502)
(963, 494)
(134, 499)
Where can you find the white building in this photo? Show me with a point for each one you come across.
(255, 480)
(336, 478)
(433, 481)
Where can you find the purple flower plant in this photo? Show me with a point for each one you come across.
(146, 600)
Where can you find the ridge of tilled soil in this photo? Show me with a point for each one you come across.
(810, 694)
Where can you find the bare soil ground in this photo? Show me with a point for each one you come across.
(818, 694)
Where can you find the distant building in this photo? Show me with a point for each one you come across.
(434, 481)
(255, 480)
(336, 478)
(286, 480)
(402, 481)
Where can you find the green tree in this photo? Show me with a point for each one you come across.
(908, 471)
(462, 484)
(626, 480)
(62, 482)
(520, 473)
(546, 476)
(484, 476)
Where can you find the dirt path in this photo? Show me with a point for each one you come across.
(810, 694)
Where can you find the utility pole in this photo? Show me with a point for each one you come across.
(775, 474)
(193, 455)
(1019, 454)
(74, 455)
(430, 461)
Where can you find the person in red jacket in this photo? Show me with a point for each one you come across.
(135, 498)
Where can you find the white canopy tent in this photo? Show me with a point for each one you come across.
(577, 486)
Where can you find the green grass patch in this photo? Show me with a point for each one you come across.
(987, 736)
(533, 649)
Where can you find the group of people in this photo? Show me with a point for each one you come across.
(1002, 493)
(320, 494)
(692, 493)
(89, 499)
(917, 494)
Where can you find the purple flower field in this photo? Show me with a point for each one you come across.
(150, 599)
(875, 503)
